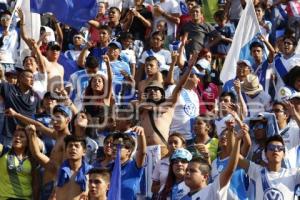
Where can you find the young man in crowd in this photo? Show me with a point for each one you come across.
(99, 183)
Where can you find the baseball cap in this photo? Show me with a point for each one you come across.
(63, 109)
(197, 72)
(53, 45)
(246, 62)
(203, 63)
(181, 153)
(286, 93)
(115, 44)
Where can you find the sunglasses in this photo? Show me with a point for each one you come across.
(258, 126)
(273, 147)
(94, 181)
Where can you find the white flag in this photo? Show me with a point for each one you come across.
(247, 29)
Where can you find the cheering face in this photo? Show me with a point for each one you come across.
(288, 47)
(275, 152)
(257, 53)
(97, 84)
(59, 121)
(108, 147)
(98, 187)
(19, 140)
(279, 112)
(259, 13)
(154, 93)
(30, 64)
(196, 14)
(75, 150)
(114, 15)
(151, 67)
(81, 120)
(201, 128)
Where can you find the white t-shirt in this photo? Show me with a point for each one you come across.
(161, 171)
(130, 55)
(290, 134)
(210, 192)
(281, 184)
(169, 6)
(40, 81)
(186, 109)
(9, 48)
(163, 56)
(260, 103)
(292, 157)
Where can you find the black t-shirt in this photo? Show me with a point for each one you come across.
(199, 34)
(25, 104)
(137, 28)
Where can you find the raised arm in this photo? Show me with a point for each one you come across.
(26, 120)
(172, 17)
(225, 175)
(183, 79)
(41, 158)
(170, 76)
(270, 48)
(22, 24)
(84, 53)
(60, 35)
(241, 102)
(109, 77)
(40, 58)
(141, 146)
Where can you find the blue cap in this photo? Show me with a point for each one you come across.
(197, 72)
(63, 109)
(204, 64)
(246, 62)
(116, 44)
(181, 153)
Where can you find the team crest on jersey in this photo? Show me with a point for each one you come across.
(189, 109)
(273, 194)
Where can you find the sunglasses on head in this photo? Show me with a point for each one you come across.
(273, 147)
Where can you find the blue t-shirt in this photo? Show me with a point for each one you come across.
(130, 179)
(229, 86)
(239, 182)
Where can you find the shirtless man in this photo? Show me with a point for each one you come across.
(152, 72)
(55, 71)
(71, 183)
(161, 111)
(61, 119)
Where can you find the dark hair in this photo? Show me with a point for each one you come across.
(276, 138)
(114, 8)
(27, 58)
(151, 58)
(220, 14)
(89, 91)
(197, 7)
(292, 38)
(128, 141)
(158, 33)
(292, 76)
(196, 1)
(88, 130)
(232, 96)
(104, 172)
(279, 103)
(261, 5)
(256, 44)
(126, 35)
(205, 167)
(74, 138)
(108, 137)
(106, 28)
(91, 62)
(179, 135)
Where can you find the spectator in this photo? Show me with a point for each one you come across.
(160, 172)
(175, 188)
(198, 32)
(99, 181)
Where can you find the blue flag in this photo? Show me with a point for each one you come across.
(75, 13)
(70, 66)
(115, 181)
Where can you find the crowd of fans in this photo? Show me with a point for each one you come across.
(141, 83)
